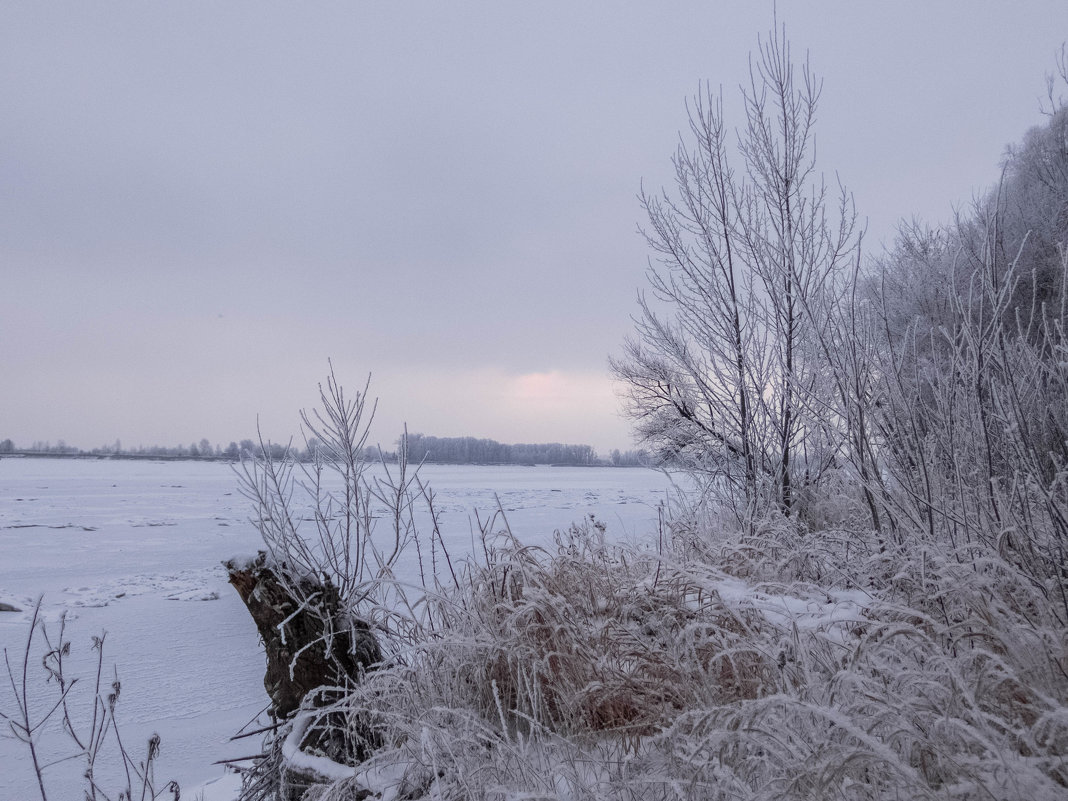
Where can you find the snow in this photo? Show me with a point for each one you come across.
(383, 777)
(135, 549)
(241, 561)
(832, 615)
(225, 788)
(327, 770)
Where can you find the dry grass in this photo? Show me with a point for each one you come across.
(613, 672)
(741, 658)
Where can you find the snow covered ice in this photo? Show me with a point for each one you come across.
(135, 549)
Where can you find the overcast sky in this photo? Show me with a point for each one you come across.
(202, 202)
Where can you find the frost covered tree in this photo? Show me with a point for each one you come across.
(727, 373)
(973, 414)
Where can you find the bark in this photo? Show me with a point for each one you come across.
(312, 642)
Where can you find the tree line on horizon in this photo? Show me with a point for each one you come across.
(421, 448)
(471, 450)
(194, 450)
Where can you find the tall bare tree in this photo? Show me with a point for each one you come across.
(728, 371)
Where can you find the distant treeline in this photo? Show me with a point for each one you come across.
(469, 450)
(421, 448)
(194, 450)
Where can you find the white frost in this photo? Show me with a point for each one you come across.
(327, 770)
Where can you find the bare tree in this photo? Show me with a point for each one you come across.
(727, 372)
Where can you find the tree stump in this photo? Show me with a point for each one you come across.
(315, 647)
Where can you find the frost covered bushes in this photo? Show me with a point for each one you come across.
(328, 519)
(946, 679)
(918, 420)
(867, 598)
(770, 658)
(323, 593)
(602, 671)
(544, 660)
(950, 679)
(591, 639)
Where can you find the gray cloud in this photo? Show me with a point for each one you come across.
(199, 203)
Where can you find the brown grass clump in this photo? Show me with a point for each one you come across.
(594, 640)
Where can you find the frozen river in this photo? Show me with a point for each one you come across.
(134, 548)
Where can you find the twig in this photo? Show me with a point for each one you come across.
(254, 732)
(238, 759)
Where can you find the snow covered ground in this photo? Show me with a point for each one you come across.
(134, 548)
